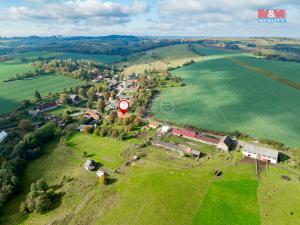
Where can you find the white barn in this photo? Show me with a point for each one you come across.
(261, 153)
(3, 135)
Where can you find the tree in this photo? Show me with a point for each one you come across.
(100, 105)
(25, 125)
(37, 95)
(91, 93)
(63, 98)
(81, 92)
(39, 199)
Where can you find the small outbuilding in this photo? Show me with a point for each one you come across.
(3, 136)
(165, 129)
(90, 165)
(74, 98)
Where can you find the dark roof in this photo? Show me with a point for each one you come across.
(46, 106)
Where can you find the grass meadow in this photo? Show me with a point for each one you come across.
(236, 93)
(159, 189)
(12, 93)
(159, 59)
(9, 69)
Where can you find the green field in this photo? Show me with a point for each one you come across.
(230, 202)
(236, 93)
(12, 93)
(65, 55)
(160, 189)
(9, 69)
(159, 59)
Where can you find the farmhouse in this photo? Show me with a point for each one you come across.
(225, 143)
(92, 114)
(74, 98)
(3, 135)
(165, 129)
(43, 108)
(261, 153)
(90, 165)
(153, 125)
(195, 136)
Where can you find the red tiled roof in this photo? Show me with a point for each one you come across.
(184, 133)
(207, 139)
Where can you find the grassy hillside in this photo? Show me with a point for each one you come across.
(12, 93)
(159, 59)
(159, 189)
(236, 93)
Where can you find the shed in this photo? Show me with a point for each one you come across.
(165, 129)
(90, 165)
(3, 135)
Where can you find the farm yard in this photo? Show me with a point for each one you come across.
(230, 92)
(12, 93)
(159, 180)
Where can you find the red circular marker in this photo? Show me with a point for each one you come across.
(124, 106)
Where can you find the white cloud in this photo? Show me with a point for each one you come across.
(103, 12)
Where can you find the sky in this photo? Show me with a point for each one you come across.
(223, 18)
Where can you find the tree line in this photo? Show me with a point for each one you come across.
(14, 159)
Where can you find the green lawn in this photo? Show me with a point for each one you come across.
(12, 93)
(9, 69)
(229, 202)
(223, 94)
(159, 189)
(104, 150)
(279, 199)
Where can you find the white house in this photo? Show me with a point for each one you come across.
(165, 129)
(3, 135)
(261, 153)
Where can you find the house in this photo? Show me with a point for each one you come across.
(112, 105)
(165, 129)
(132, 78)
(43, 108)
(74, 98)
(46, 107)
(3, 135)
(260, 153)
(90, 165)
(92, 114)
(98, 78)
(153, 125)
(225, 143)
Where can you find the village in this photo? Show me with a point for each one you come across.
(103, 115)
